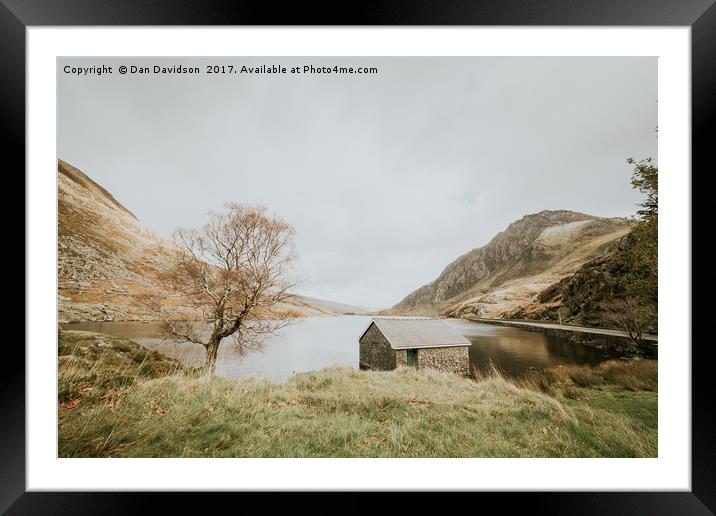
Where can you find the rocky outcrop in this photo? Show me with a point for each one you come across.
(516, 265)
(581, 298)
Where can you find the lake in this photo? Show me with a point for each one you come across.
(317, 342)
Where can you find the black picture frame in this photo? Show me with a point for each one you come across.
(17, 15)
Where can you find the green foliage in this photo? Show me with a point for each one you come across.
(641, 262)
(626, 270)
(646, 179)
(641, 265)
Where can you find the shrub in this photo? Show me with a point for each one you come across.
(633, 375)
(559, 374)
(585, 378)
(571, 392)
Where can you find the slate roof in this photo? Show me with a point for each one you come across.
(409, 333)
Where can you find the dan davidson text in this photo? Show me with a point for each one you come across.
(218, 69)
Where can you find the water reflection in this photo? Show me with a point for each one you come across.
(305, 345)
(516, 351)
(314, 343)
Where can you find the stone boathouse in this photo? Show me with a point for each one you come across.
(390, 342)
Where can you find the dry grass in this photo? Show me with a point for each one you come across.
(116, 402)
(94, 365)
(634, 375)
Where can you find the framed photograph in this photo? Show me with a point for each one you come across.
(421, 248)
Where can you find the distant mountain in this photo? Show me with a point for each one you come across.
(106, 258)
(519, 263)
(330, 307)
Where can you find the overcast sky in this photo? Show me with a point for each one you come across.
(386, 177)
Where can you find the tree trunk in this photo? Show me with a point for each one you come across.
(212, 350)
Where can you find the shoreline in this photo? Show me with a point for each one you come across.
(600, 338)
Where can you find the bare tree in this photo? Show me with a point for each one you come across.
(629, 316)
(232, 272)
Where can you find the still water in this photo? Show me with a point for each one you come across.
(515, 351)
(317, 342)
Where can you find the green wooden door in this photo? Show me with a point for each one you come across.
(412, 358)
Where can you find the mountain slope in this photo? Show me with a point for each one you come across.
(584, 298)
(106, 258)
(533, 253)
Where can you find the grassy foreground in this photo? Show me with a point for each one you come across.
(117, 399)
